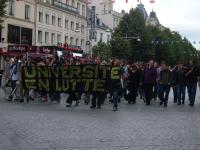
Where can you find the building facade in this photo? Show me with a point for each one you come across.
(19, 23)
(61, 21)
(104, 11)
(44, 22)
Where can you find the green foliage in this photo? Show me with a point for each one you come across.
(168, 46)
(2, 11)
(102, 50)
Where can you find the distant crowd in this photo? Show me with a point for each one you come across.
(148, 81)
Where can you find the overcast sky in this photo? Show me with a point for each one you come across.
(179, 15)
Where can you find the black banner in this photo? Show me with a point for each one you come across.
(87, 78)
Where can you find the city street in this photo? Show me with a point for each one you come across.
(39, 126)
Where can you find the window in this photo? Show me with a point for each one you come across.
(40, 16)
(39, 36)
(66, 24)
(27, 12)
(73, 3)
(11, 8)
(72, 25)
(82, 28)
(101, 36)
(19, 35)
(26, 36)
(82, 41)
(78, 7)
(54, 20)
(13, 34)
(59, 22)
(52, 38)
(46, 37)
(77, 42)
(77, 26)
(108, 38)
(47, 18)
(83, 10)
(59, 39)
(66, 39)
(71, 40)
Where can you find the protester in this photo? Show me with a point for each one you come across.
(6, 74)
(115, 88)
(180, 83)
(133, 84)
(148, 80)
(14, 77)
(165, 82)
(191, 80)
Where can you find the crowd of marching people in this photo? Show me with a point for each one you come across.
(150, 81)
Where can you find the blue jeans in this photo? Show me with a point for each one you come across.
(115, 97)
(180, 93)
(164, 93)
(192, 88)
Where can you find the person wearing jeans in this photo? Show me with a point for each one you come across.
(179, 84)
(116, 85)
(165, 84)
(191, 80)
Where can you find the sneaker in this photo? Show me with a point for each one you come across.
(68, 105)
(77, 102)
(54, 102)
(114, 108)
(92, 107)
(191, 105)
(10, 98)
(161, 103)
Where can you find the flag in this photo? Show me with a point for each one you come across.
(101, 2)
(151, 1)
(89, 1)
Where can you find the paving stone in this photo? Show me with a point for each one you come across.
(39, 126)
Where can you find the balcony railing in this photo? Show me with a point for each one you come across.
(64, 6)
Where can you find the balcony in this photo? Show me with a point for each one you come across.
(60, 5)
(64, 6)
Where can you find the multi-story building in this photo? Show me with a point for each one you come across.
(19, 23)
(44, 22)
(57, 22)
(104, 11)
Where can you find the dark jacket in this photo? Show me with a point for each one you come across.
(134, 80)
(179, 77)
(165, 77)
(149, 76)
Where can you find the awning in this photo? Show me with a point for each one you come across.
(12, 54)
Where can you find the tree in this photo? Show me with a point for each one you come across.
(102, 50)
(2, 11)
(120, 47)
(157, 42)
